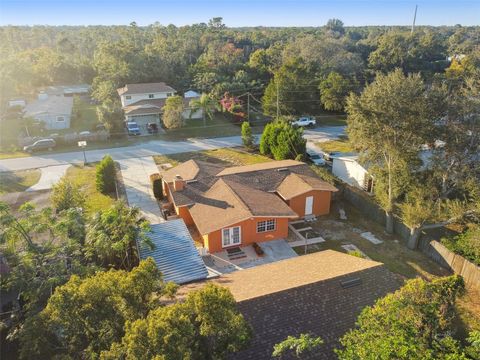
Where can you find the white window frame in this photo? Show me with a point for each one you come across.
(60, 118)
(266, 225)
(151, 96)
(128, 97)
(169, 94)
(227, 235)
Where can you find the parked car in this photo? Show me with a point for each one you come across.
(305, 121)
(44, 144)
(132, 128)
(316, 158)
(152, 128)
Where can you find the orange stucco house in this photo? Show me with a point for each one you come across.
(237, 206)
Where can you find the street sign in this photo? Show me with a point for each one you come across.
(82, 143)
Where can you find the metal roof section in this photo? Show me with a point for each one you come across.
(174, 253)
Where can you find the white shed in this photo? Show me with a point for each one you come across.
(348, 169)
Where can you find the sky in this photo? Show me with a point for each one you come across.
(239, 12)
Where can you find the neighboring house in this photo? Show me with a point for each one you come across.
(54, 111)
(66, 90)
(238, 206)
(187, 114)
(143, 103)
(348, 169)
(321, 293)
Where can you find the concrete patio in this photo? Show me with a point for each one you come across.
(274, 250)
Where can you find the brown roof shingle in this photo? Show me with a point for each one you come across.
(303, 295)
(261, 166)
(294, 185)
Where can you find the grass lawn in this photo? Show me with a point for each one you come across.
(18, 181)
(341, 145)
(225, 156)
(219, 125)
(13, 154)
(85, 115)
(85, 177)
(331, 120)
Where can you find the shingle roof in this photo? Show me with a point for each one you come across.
(188, 170)
(174, 253)
(55, 105)
(144, 88)
(261, 166)
(153, 106)
(295, 185)
(303, 295)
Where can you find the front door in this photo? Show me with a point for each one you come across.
(308, 205)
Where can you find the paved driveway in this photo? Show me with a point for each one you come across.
(136, 177)
(50, 175)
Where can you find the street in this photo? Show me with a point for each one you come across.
(155, 147)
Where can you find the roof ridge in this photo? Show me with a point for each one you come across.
(245, 206)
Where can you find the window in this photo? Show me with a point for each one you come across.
(266, 225)
(151, 96)
(169, 94)
(60, 118)
(128, 97)
(231, 236)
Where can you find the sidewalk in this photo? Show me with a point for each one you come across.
(136, 177)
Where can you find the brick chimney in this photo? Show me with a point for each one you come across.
(178, 183)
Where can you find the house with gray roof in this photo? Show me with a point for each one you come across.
(54, 111)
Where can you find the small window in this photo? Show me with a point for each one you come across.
(60, 118)
(267, 225)
(169, 94)
(151, 96)
(128, 97)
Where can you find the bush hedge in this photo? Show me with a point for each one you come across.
(105, 175)
(156, 181)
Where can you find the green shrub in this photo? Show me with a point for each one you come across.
(247, 137)
(466, 244)
(282, 141)
(356, 253)
(67, 195)
(156, 181)
(105, 175)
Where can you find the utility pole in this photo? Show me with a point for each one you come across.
(414, 18)
(248, 107)
(278, 108)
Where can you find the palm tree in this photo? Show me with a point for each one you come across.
(206, 104)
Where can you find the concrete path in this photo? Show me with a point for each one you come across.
(136, 177)
(50, 176)
(154, 147)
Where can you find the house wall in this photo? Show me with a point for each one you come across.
(137, 97)
(321, 203)
(249, 235)
(51, 123)
(184, 213)
(349, 171)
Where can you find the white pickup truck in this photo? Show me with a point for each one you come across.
(304, 122)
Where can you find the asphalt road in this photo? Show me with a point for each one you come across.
(156, 147)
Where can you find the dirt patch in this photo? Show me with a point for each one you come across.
(41, 199)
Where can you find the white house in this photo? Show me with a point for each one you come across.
(54, 111)
(348, 169)
(143, 103)
(132, 93)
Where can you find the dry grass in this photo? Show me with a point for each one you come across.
(18, 181)
(341, 145)
(225, 156)
(85, 177)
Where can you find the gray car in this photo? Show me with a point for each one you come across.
(44, 144)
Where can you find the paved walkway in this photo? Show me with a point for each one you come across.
(136, 177)
(50, 176)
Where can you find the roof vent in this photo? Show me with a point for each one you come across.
(350, 283)
(191, 181)
(282, 169)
